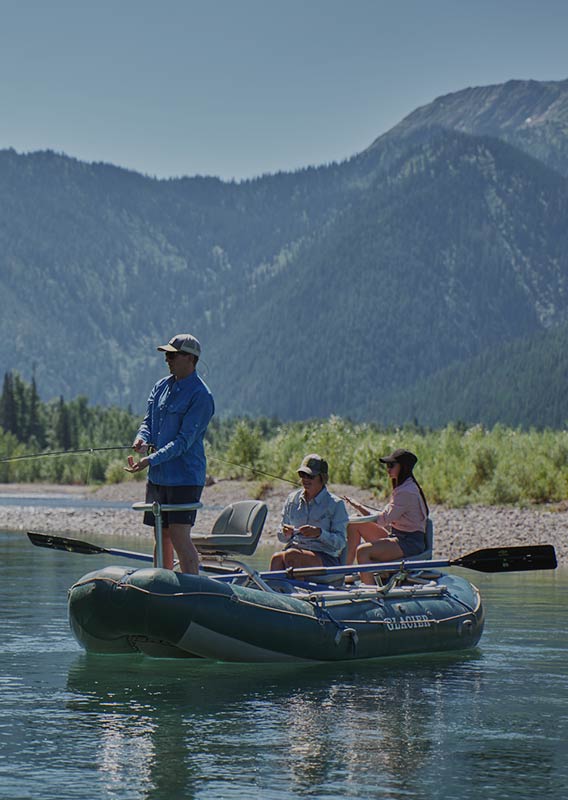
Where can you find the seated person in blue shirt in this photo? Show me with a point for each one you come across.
(179, 409)
(314, 521)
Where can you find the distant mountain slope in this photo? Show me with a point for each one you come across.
(518, 383)
(461, 247)
(531, 115)
(109, 261)
(338, 289)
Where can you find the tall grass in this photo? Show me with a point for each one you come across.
(457, 465)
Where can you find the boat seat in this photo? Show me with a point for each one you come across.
(426, 555)
(236, 530)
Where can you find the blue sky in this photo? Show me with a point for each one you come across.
(241, 88)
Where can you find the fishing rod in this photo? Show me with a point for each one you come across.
(129, 447)
(66, 452)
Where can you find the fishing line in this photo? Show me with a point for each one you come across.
(253, 469)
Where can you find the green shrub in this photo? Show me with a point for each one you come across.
(244, 450)
(115, 472)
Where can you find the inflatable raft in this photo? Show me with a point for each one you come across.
(231, 612)
(164, 613)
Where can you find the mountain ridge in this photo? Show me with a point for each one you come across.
(290, 279)
(531, 115)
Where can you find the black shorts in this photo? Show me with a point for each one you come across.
(170, 495)
(411, 543)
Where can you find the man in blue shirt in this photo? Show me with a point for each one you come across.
(179, 409)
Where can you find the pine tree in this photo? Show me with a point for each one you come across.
(63, 426)
(8, 415)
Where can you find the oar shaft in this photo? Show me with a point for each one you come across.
(305, 572)
(490, 559)
(129, 554)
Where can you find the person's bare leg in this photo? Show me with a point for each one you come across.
(167, 551)
(180, 537)
(301, 558)
(277, 561)
(383, 550)
(366, 531)
(353, 541)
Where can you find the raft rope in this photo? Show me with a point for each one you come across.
(323, 615)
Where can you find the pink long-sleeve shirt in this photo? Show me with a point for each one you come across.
(405, 509)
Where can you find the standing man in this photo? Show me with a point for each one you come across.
(179, 409)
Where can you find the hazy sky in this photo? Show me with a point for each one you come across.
(237, 88)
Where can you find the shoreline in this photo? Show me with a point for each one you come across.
(456, 530)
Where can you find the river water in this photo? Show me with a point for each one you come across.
(490, 724)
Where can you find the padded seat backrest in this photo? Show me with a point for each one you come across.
(237, 529)
(241, 519)
(427, 554)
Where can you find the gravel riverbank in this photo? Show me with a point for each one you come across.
(456, 530)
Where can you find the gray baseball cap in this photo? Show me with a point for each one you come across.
(182, 343)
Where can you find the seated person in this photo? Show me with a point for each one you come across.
(314, 521)
(399, 530)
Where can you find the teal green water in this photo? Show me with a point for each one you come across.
(491, 723)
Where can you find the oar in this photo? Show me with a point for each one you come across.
(490, 559)
(77, 546)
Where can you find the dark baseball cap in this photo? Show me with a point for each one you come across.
(400, 457)
(313, 465)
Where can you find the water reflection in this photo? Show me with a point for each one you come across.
(187, 726)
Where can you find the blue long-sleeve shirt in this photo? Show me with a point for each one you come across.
(175, 423)
(325, 511)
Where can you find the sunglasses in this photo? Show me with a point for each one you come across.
(305, 476)
(390, 464)
(169, 356)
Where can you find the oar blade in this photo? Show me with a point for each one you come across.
(83, 548)
(63, 543)
(510, 559)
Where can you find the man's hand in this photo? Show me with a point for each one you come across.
(309, 531)
(136, 466)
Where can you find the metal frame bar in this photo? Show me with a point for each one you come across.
(156, 509)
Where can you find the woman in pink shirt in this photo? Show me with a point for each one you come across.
(399, 530)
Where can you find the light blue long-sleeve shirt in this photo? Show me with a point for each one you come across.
(175, 423)
(325, 511)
